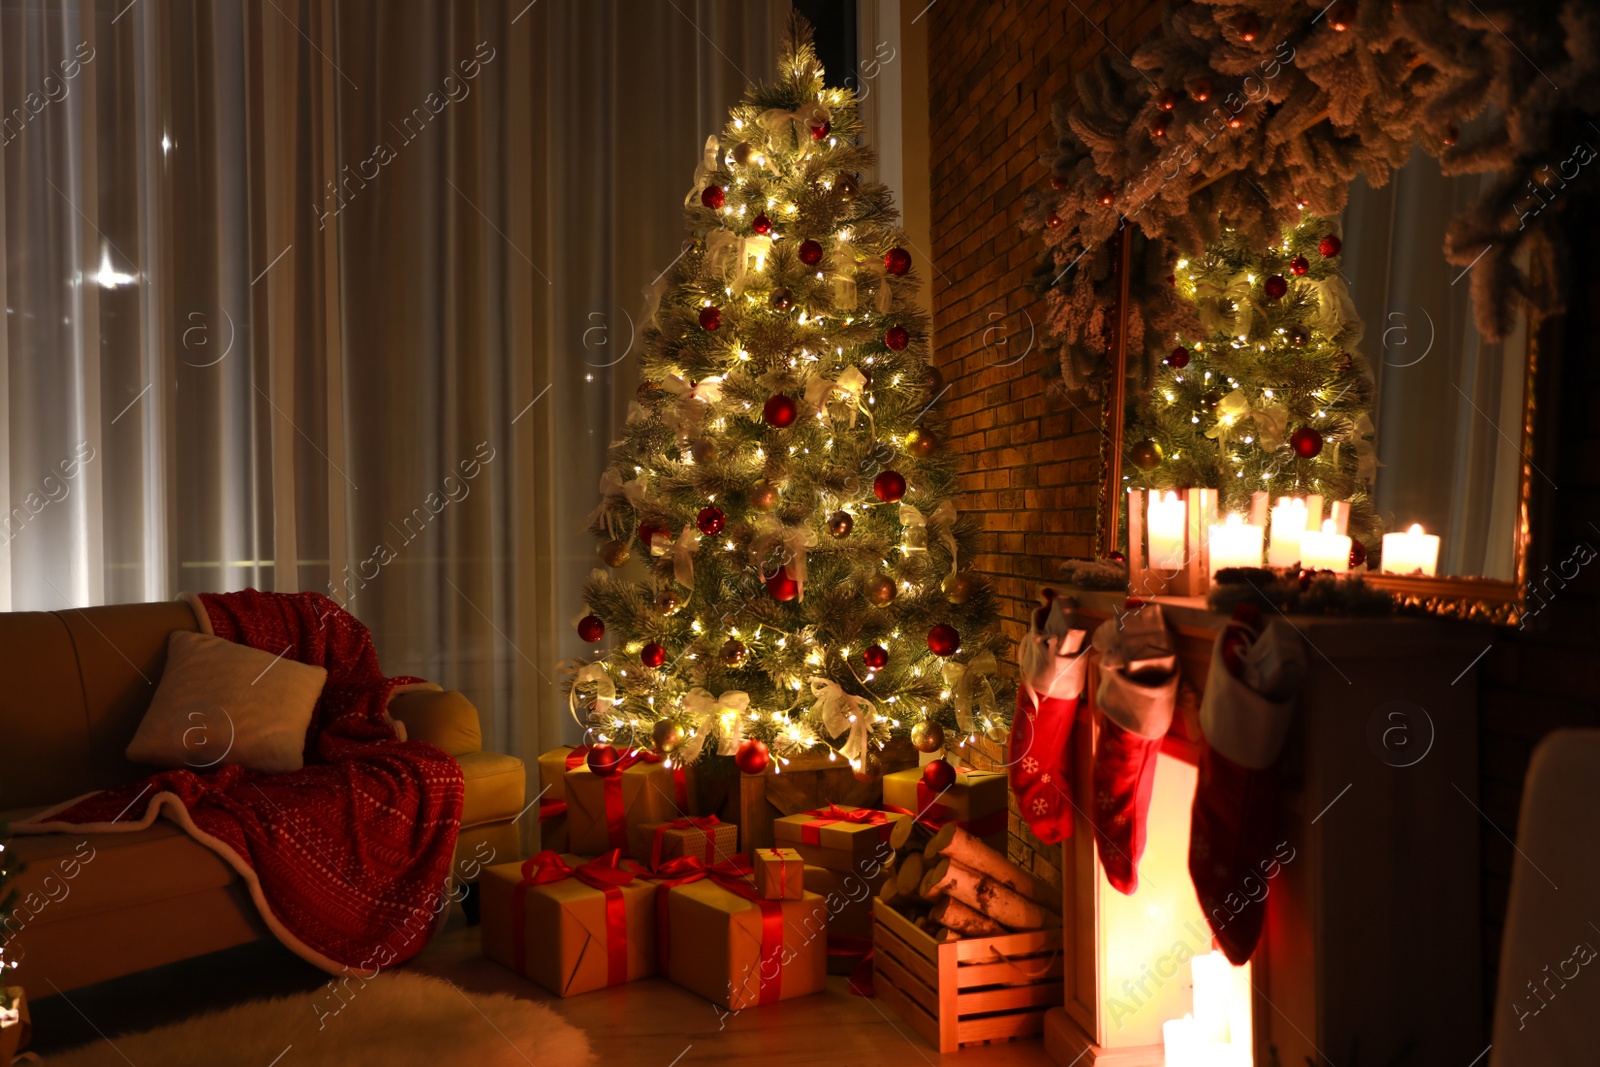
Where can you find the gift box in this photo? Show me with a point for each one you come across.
(646, 788)
(720, 940)
(706, 837)
(848, 897)
(977, 801)
(553, 768)
(779, 873)
(571, 925)
(843, 838)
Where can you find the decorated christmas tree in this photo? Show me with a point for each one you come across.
(1262, 388)
(785, 556)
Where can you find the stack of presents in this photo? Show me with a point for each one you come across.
(635, 881)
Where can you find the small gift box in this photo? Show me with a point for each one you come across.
(848, 897)
(779, 872)
(977, 801)
(553, 768)
(722, 941)
(843, 838)
(706, 837)
(570, 924)
(646, 788)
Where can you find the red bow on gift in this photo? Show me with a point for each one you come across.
(811, 832)
(604, 873)
(735, 875)
(705, 823)
(549, 809)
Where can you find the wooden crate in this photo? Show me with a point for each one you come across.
(978, 989)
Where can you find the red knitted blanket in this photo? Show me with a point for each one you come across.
(347, 858)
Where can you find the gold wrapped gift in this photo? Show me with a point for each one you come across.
(843, 838)
(553, 767)
(571, 925)
(977, 801)
(646, 789)
(779, 872)
(739, 952)
(707, 837)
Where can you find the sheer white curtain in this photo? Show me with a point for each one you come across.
(311, 294)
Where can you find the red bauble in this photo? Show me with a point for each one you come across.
(1248, 27)
(761, 224)
(1157, 126)
(1306, 442)
(752, 757)
(713, 196)
(897, 337)
(1178, 358)
(1116, 555)
(1166, 100)
(1200, 89)
(1299, 265)
(1052, 220)
(821, 130)
(782, 587)
(1358, 554)
(1329, 246)
(889, 486)
(810, 253)
(711, 520)
(591, 628)
(943, 640)
(710, 318)
(938, 775)
(1341, 14)
(897, 261)
(779, 411)
(603, 760)
(1275, 286)
(1106, 196)
(648, 530)
(875, 656)
(652, 655)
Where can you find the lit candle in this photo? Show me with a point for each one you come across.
(1167, 516)
(1236, 543)
(1410, 552)
(1288, 523)
(1213, 986)
(1325, 550)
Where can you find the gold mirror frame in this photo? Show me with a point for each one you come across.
(1492, 600)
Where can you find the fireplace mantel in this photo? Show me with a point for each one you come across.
(1371, 950)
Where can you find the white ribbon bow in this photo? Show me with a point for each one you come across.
(725, 712)
(1336, 313)
(961, 677)
(841, 712)
(685, 417)
(652, 300)
(795, 540)
(682, 551)
(612, 486)
(943, 518)
(1271, 420)
(849, 387)
(588, 674)
(704, 170)
(800, 120)
(728, 257)
(1212, 316)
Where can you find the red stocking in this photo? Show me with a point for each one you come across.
(1052, 662)
(1255, 670)
(1138, 690)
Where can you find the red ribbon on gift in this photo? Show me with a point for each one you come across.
(616, 814)
(734, 875)
(549, 809)
(705, 823)
(811, 832)
(860, 981)
(604, 873)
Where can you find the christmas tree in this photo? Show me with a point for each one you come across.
(783, 477)
(1262, 388)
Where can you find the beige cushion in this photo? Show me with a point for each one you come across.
(496, 787)
(223, 702)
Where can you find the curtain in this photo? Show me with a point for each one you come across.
(336, 295)
(1449, 404)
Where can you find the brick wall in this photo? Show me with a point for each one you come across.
(1031, 464)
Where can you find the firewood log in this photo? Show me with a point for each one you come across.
(947, 911)
(970, 851)
(908, 879)
(999, 902)
(900, 832)
(947, 934)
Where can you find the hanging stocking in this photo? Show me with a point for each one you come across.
(1256, 668)
(1138, 691)
(1052, 662)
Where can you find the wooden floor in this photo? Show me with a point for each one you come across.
(652, 1022)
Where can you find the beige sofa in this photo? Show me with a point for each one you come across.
(78, 683)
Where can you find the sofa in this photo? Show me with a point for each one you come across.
(79, 682)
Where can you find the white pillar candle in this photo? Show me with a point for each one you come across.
(1325, 550)
(1288, 523)
(1235, 543)
(1410, 552)
(1166, 519)
(1213, 988)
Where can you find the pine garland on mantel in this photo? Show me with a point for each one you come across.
(1243, 115)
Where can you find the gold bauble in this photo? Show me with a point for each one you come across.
(871, 768)
(927, 736)
(923, 444)
(703, 450)
(957, 588)
(741, 153)
(615, 553)
(780, 298)
(935, 380)
(880, 590)
(1146, 455)
(847, 188)
(763, 496)
(840, 524)
(668, 602)
(734, 653)
(666, 735)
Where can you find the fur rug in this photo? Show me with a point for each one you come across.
(394, 1020)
